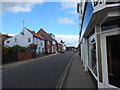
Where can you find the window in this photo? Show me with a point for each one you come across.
(42, 49)
(8, 41)
(29, 40)
(33, 40)
(22, 33)
(113, 59)
(111, 24)
(39, 49)
(92, 54)
(36, 41)
(48, 42)
(41, 44)
(15, 39)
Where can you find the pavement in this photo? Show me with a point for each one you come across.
(76, 76)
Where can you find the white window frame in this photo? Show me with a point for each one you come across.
(104, 55)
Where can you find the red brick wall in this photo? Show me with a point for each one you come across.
(47, 46)
(25, 56)
(41, 32)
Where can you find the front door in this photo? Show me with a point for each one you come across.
(112, 59)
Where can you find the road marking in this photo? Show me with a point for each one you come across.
(59, 85)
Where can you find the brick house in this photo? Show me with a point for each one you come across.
(48, 41)
(54, 43)
(59, 47)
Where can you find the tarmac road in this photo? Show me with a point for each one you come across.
(42, 73)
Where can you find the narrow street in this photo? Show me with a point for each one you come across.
(42, 73)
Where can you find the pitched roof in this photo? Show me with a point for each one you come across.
(35, 34)
(44, 34)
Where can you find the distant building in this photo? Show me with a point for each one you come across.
(54, 43)
(27, 38)
(100, 40)
(70, 48)
(63, 46)
(4, 37)
(59, 47)
(48, 41)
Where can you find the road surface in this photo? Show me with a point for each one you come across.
(42, 73)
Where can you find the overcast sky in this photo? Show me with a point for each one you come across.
(59, 18)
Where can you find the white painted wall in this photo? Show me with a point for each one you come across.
(84, 52)
(54, 47)
(40, 45)
(22, 40)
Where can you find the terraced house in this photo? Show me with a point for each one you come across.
(100, 40)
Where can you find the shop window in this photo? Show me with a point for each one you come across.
(113, 59)
(92, 54)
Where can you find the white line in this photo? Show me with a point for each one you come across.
(59, 85)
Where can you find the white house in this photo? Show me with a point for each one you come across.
(26, 38)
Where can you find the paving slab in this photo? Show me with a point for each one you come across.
(77, 77)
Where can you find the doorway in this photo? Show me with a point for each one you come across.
(113, 59)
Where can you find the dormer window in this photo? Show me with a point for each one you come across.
(22, 33)
(8, 41)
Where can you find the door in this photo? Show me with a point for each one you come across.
(111, 59)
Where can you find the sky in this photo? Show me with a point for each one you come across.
(59, 18)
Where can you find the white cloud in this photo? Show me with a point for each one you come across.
(72, 12)
(70, 40)
(68, 4)
(18, 6)
(66, 20)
